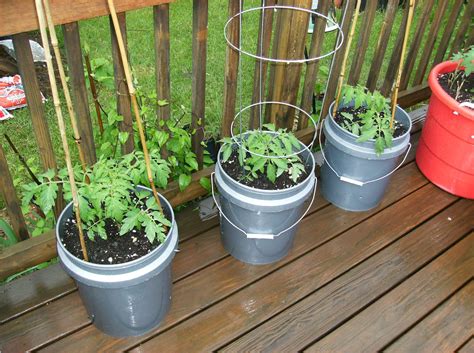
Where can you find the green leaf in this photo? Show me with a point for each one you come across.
(379, 145)
(10, 238)
(205, 183)
(367, 135)
(271, 172)
(123, 137)
(162, 102)
(269, 126)
(183, 181)
(347, 115)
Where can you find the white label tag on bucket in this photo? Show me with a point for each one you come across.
(259, 236)
(351, 181)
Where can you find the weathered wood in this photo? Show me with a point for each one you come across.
(382, 43)
(27, 253)
(337, 59)
(231, 70)
(161, 23)
(405, 304)
(314, 316)
(228, 275)
(415, 43)
(290, 284)
(260, 71)
(458, 42)
(13, 204)
(285, 78)
(63, 12)
(430, 42)
(363, 42)
(26, 67)
(79, 91)
(395, 57)
(200, 17)
(448, 31)
(414, 95)
(467, 347)
(444, 329)
(124, 104)
(7, 66)
(29, 292)
(313, 67)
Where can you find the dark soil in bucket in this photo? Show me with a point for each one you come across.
(233, 168)
(466, 88)
(116, 249)
(339, 118)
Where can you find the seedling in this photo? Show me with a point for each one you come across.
(465, 67)
(267, 153)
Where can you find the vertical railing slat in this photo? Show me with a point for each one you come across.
(13, 204)
(382, 43)
(285, 79)
(121, 89)
(428, 47)
(162, 59)
(363, 42)
(337, 58)
(79, 91)
(26, 67)
(200, 18)
(416, 43)
(394, 59)
(458, 41)
(448, 32)
(261, 66)
(313, 66)
(231, 70)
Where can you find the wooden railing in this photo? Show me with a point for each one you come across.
(448, 29)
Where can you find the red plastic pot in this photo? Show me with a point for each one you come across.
(445, 153)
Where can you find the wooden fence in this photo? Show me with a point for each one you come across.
(281, 81)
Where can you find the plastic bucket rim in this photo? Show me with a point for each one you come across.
(111, 267)
(443, 96)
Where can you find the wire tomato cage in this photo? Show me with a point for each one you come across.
(236, 139)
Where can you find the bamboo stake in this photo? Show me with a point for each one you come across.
(346, 55)
(62, 75)
(62, 128)
(400, 66)
(133, 97)
(94, 93)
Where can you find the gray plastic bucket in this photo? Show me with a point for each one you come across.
(353, 177)
(126, 299)
(258, 226)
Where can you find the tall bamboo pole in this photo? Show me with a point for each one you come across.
(62, 128)
(133, 97)
(400, 66)
(62, 75)
(346, 55)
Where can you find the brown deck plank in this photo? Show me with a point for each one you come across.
(228, 276)
(299, 325)
(467, 347)
(380, 323)
(443, 330)
(261, 300)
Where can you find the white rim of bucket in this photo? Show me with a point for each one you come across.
(258, 235)
(308, 147)
(340, 37)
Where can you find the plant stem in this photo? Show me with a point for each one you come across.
(22, 159)
(59, 115)
(400, 66)
(133, 97)
(62, 75)
(94, 93)
(346, 55)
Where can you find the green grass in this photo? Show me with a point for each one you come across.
(96, 33)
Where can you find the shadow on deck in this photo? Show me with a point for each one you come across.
(398, 277)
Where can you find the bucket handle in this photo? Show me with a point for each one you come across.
(259, 235)
(358, 182)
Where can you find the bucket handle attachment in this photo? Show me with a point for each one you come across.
(358, 182)
(259, 235)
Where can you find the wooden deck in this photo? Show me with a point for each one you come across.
(399, 277)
